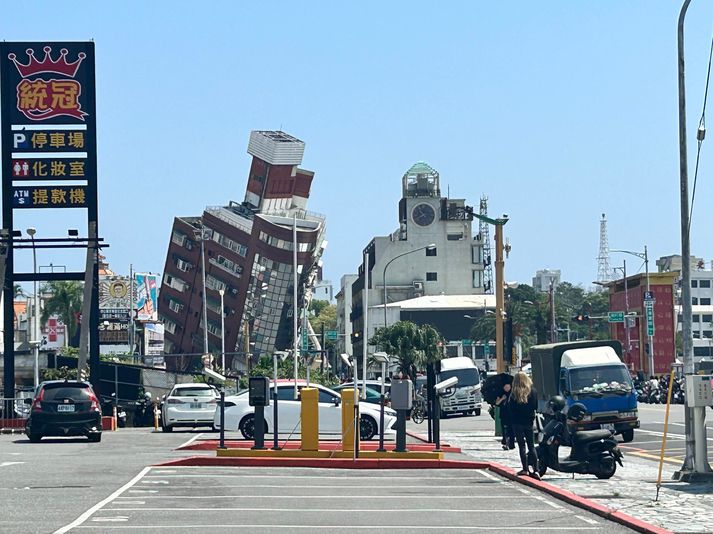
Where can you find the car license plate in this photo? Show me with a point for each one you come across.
(65, 407)
(195, 406)
(608, 426)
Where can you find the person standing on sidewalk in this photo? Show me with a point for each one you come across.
(522, 405)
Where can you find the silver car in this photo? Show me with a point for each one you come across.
(189, 405)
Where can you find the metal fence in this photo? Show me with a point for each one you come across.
(13, 413)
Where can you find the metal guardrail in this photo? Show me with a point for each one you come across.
(13, 414)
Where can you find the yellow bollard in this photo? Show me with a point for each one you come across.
(348, 420)
(309, 414)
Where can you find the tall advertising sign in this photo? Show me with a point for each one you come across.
(146, 297)
(114, 310)
(48, 154)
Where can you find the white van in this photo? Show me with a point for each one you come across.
(467, 398)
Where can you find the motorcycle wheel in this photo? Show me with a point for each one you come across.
(541, 462)
(606, 470)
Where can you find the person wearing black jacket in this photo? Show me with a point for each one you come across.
(522, 406)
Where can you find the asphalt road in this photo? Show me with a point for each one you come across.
(647, 439)
(277, 500)
(70, 485)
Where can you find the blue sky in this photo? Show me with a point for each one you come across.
(558, 111)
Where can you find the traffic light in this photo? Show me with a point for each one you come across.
(581, 318)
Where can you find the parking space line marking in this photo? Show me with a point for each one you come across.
(587, 520)
(191, 440)
(545, 500)
(292, 477)
(411, 528)
(119, 518)
(86, 515)
(330, 496)
(302, 486)
(340, 510)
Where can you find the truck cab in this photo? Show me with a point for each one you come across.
(591, 373)
(467, 397)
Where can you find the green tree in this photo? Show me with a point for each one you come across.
(65, 302)
(18, 291)
(413, 346)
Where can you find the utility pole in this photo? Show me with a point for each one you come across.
(553, 326)
(695, 464)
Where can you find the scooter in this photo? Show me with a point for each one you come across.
(594, 452)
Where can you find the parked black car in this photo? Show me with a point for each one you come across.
(64, 408)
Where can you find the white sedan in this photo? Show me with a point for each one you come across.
(239, 415)
(189, 405)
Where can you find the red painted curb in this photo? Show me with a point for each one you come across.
(331, 463)
(580, 502)
(212, 444)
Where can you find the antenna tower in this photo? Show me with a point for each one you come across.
(484, 230)
(603, 269)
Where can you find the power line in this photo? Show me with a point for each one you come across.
(700, 135)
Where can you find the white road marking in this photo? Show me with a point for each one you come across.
(326, 510)
(86, 515)
(318, 528)
(154, 481)
(191, 440)
(116, 519)
(328, 496)
(310, 477)
(587, 520)
(140, 491)
(545, 500)
(133, 503)
(668, 435)
(5, 464)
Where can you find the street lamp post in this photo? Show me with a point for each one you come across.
(222, 331)
(201, 236)
(383, 279)
(35, 342)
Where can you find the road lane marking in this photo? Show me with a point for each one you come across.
(6, 464)
(86, 515)
(116, 519)
(154, 481)
(310, 477)
(187, 443)
(140, 491)
(655, 433)
(303, 486)
(336, 510)
(331, 496)
(587, 520)
(317, 528)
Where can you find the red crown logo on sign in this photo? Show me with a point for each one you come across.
(47, 65)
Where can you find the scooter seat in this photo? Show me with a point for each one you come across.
(582, 436)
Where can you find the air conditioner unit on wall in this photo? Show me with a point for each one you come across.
(418, 286)
(417, 294)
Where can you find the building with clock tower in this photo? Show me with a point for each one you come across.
(455, 266)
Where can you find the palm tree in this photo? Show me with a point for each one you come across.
(65, 302)
(413, 346)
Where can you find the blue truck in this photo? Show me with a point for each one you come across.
(592, 373)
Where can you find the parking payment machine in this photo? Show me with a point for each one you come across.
(259, 397)
(402, 402)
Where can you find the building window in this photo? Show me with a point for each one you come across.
(477, 278)
(705, 284)
(708, 334)
(213, 283)
(175, 306)
(694, 301)
(431, 277)
(477, 251)
(694, 283)
(696, 334)
(183, 265)
(707, 318)
(706, 301)
(431, 251)
(696, 318)
(455, 237)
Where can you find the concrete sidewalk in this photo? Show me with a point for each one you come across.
(682, 508)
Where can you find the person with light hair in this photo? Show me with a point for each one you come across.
(522, 405)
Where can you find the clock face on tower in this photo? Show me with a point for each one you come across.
(423, 214)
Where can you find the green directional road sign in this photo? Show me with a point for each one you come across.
(649, 317)
(305, 341)
(467, 342)
(616, 317)
(486, 349)
(331, 335)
